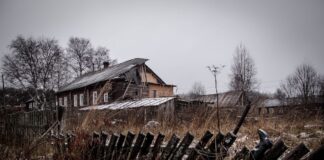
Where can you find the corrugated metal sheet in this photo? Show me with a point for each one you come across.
(102, 75)
(130, 104)
(227, 99)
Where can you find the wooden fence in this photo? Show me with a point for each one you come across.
(147, 146)
(21, 128)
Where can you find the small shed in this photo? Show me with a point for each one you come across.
(160, 109)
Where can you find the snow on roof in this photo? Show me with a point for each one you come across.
(102, 75)
(130, 104)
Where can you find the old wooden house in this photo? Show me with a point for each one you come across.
(131, 79)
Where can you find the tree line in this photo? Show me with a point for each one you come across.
(41, 65)
(305, 83)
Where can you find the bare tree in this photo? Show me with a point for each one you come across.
(304, 83)
(100, 55)
(62, 69)
(279, 94)
(80, 51)
(31, 64)
(243, 76)
(197, 89)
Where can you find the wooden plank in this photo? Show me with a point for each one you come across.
(275, 151)
(157, 146)
(244, 154)
(200, 145)
(137, 146)
(119, 146)
(111, 146)
(317, 154)
(102, 145)
(146, 145)
(183, 146)
(94, 145)
(172, 144)
(213, 147)
(127, 146)
(297, 153)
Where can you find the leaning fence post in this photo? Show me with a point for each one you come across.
(275, 151)
(172, 144)
(94, 145)
(200, 145)
(157, 146)
(297, 153)
(183, 146)
(102, 146)
(244, 154)
(119, 146)
(146, 144)
(137, 146)
(127, 146)
(111, 146)
(317, 154)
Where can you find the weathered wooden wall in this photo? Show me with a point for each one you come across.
(21, 128)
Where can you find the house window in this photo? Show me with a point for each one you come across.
(65, 102)
(94, 97)
(75, 100)
(60, 101)
(81, 100)
(106, 97)
(154, 93)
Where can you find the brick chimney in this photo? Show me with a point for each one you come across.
(106, 64)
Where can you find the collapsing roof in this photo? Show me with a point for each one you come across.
(108, 73)
(227, 99)
(145, 102)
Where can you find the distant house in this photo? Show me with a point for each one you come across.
(290, 105)
(131, 79)
(225, 99)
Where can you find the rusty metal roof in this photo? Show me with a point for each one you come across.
(102, 75)
(226, 99)
(145, 102)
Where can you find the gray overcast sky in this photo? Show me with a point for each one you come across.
(181, 37)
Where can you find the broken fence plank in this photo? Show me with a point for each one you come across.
(111, 146)
(94, 145)
(275, 151)
(317, 154)
(147, 143)
(244, 154)
(216, 149)
(103, 139)
(200, 145)
(297, 153)
(127, 145)
(137, 146)
(172, 144)
(184, 144)
(157, 146)
(119, 146)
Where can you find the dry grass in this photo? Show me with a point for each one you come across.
(291, 128)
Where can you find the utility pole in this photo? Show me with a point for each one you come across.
(3, 92)
(215, 70)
